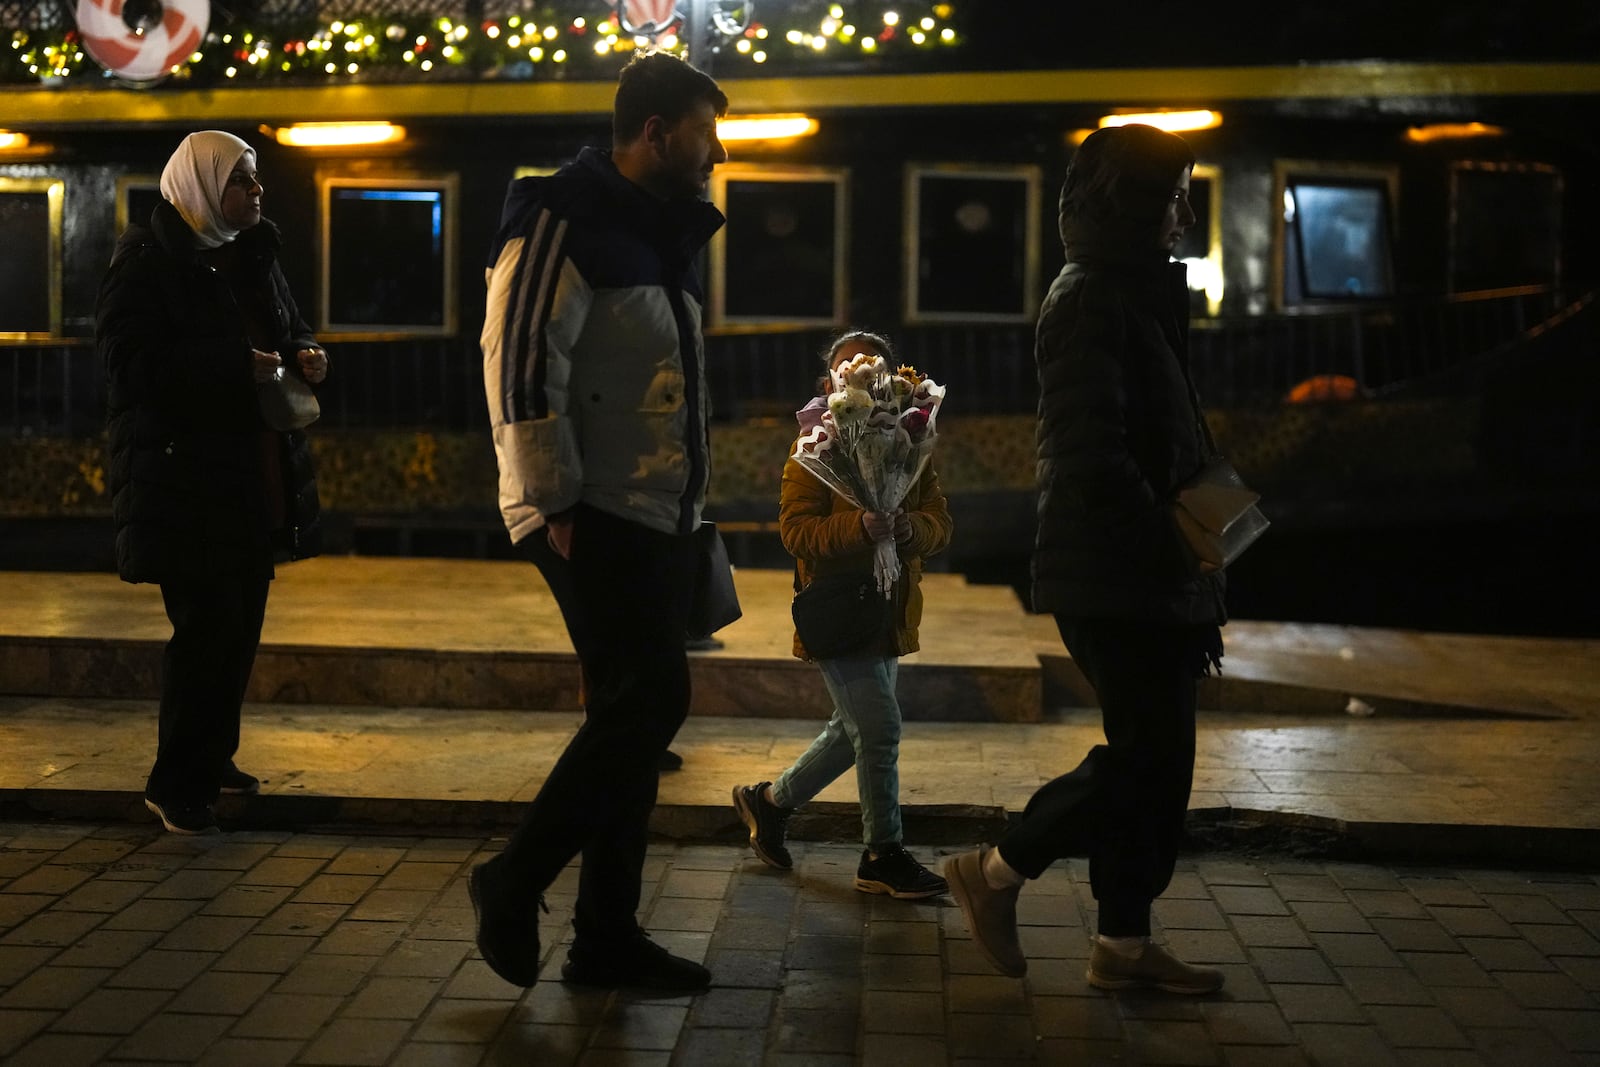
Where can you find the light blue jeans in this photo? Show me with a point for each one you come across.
(865, 732)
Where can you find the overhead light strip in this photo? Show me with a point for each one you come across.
(338, 134)
(765, 127)
(1171, 121)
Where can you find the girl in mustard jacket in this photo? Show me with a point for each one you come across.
(828, 535)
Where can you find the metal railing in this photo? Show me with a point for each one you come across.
(50, 389)
(57, 388)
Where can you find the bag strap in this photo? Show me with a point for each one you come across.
(1200, 417)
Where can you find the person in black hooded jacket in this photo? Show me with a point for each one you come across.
(192, 314)
(1120, 430)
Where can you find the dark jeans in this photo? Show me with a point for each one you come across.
(1126, 801)
(216, 626)
(624, 596)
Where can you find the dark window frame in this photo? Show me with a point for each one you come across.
(54, 192)
(447, 186)
(920, 227)
(725, 316)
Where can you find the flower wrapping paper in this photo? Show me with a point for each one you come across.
(869, 439)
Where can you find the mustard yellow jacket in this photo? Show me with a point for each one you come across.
(823, 532)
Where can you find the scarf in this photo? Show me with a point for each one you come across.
(194, 179)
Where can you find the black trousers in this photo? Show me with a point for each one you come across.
(1125, 803)
(624, 596)
(216, 626)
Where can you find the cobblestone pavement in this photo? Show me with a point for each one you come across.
(119, 944)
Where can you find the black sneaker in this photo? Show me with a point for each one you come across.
(633, 963)
(897, 873)
(669, 761)
(237, 783)
(193, 819)
(767, 823)
(508, 926)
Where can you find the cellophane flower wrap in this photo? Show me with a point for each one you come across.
(869, 440)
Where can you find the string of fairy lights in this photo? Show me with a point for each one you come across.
(553, 41)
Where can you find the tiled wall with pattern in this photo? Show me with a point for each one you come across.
(1295, 449)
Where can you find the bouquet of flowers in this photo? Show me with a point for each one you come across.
(869, 439)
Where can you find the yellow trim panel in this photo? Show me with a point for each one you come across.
(841, 93)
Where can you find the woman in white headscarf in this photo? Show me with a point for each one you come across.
(193, 313)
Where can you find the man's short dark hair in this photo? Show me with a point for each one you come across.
(659, 83)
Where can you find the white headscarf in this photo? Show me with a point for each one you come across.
(195, 177)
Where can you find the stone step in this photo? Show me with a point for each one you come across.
(486, 634)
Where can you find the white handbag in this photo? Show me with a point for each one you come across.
(287, 402)
(1217, 515)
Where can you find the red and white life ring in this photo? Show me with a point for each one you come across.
(142, 56)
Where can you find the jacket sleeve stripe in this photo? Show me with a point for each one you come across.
(534, 290)
(549, 288)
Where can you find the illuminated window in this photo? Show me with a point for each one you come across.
(1335, 235)
(1201, 247)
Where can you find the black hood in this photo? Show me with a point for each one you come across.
(1116, 193)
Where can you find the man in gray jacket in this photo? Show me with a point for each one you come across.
(594, 371)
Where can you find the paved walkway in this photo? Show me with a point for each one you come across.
(1492, 789)
(267, 946)
(1395, 844)
(122, 945)
(1404, 742)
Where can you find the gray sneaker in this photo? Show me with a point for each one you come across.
(991, 914)
(1154, 968)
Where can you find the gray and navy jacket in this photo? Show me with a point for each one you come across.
(593, 358)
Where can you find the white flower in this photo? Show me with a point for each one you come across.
(849, 406)
(863, 372)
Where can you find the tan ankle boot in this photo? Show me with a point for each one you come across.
(991, 913)
(1154, 968)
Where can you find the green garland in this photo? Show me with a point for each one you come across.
(571, 40)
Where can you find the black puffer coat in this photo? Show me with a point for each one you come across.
(188, 459)
(1119, 430)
